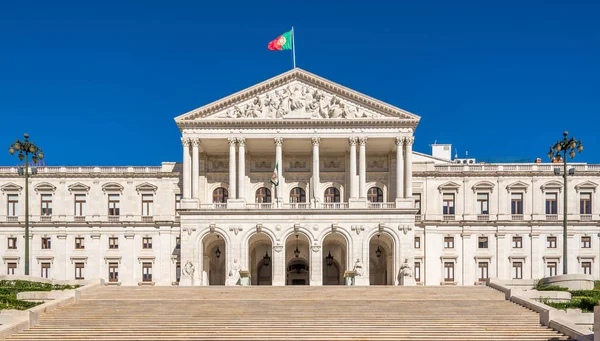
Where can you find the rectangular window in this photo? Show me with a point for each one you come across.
(147, 272)
(178, 271)
(551, 242)
(448, 203)
(177, 202)
(517, 242)
(12, 243)
(449, 272)
(517, 270)
(417, 242)
(146, 243)
(11, 268)
(586, 268)
(79, 243)
(585, 203)
(147, 205)
(550, 269)
(46, 204)
(113, 272)
(46, 270)
(114, 205)
(586, 242)
(113, 243)
(178, 243)
(483, 271)
(13, 205)
(418, 271)
(46, 243)
(516, 203)
(80, 205)
(417, 197)
(79, 270)
(482, 243)
(551, 203)
(448, 242)
(483, 203)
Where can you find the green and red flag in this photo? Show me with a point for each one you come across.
(283, 42)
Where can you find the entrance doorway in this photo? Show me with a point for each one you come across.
(381, 259)
(335, 259)
(297, 260)
(260, 253)
(214, 259)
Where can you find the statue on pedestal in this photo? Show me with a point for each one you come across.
(405, 269)
(358, 268)
(234, 273)
(188, 269)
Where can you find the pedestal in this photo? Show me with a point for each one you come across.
(245, 278)
(349, 277)
(358, 203)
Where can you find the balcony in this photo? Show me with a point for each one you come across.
(297, 206)
(46, 218)
(334, 205)
(113, 218)
(552, 217)
(418, 217)
(381, 205)
(12, 219)
(147, 219)
(516, 217)
(585, 217)
(483, 217)
(260, 206)
(448, 217)
(79, 219)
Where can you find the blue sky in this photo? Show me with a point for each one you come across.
(99, 82)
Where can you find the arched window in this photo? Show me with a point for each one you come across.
(332, 194)
(375, 194)
(263, 195)
(220, 195)
(297, 194)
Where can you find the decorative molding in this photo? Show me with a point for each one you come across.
(517, 186)
(11, 187)
(409, 141)
(112, 187)
(404, 228)
(277, 248)
(449, 186)
(278, 141)
(78, 187)
(315, 141)
(316, 248)
(45, 187)
(357, 228)
(146, 258)
(236, 229)
(232, 141)
(79, 258)
(11, 258)
(587, 185)
(334, 227)
(241, 141)
(551, 185)
(108, 259)
(483, 186)
(45, 258)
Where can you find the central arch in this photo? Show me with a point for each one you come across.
(297, 259)
(214, 259)
(381, 253)
(260, 263)
(335, 251)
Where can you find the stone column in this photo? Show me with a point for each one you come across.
(408, 167)
(242, 168)
(278, 263)
(316, 265)
(362, 168)
(187, 168)
(279, 162)
(232, 177)
(352, 182)
(195, 168)
(315, 171)
(399, 168)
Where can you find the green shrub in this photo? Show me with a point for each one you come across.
(10, 289)
(541, 287)
(586, 293)
(596, 285)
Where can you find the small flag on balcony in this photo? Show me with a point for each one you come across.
(275, 177)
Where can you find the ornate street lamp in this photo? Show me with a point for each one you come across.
(24, 148)
(566, 146)
(329, 259)
(297, 252)
(378, 251)
(267, 259)
(218, 252)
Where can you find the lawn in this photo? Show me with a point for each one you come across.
(10, 289)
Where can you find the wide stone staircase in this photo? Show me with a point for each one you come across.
(291, 313)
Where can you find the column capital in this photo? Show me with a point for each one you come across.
(399, 141)
(185, 141)
(278, 141)
(352, 141)
(362, 140)
(315, 141)
(195, 142)
(241, 141)
(409, 140)
(232, 141)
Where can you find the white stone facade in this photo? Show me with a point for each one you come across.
(351, 195)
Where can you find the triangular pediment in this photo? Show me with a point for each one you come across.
(552, 185)
(78, 186)
(517, 186)
(483, 185)
(297, 95)
(112, 187)
(449, 186)
(146, 187)
(586, 185)
(11, 187)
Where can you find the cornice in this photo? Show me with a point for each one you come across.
(97, 175)
(299, 123)
(479, 174)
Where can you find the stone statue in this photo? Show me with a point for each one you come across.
(405, 269)
(254, 109)
(234, 273)
(296, 100)
(358, 268)
(188, 269)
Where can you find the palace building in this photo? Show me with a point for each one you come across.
(350, 197)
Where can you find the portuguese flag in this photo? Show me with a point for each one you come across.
(283, 42)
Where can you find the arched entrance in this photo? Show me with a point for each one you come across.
(381, 259)
(334, 259)
(260, 263)
(214, 259)
(297, 260)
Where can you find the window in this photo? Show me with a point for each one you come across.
(263, 195)
(517, 270)
(448, 242)
(80, 205)
(516, 203)
(11, 268)
(45, 270)
(12, 243)
(417, 198)
(147, 205)
(46, 243)
(113, 243)
(482, 242)
(147, 272)
(146, 243)
(177, 202)
(551, 203)
(585, 203)
(375, 194)
(448, 203)
(551, 242)
(483, 271)
(418, 271)
(448, 272)
(517, 242)
(13, 205)
(586, 268)
(417, 242)
(114, 205)
(586, 242)
(332, 195)
(220, 195)
(483, 203)
(79, 271)
(79, 243)
(178, 271)
(46, 205)
(178, 243)
(297, 194)
(550, 269)
(113, 272)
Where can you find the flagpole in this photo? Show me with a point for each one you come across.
(294, 47)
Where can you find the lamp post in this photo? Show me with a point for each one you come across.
(565, 146)
(24, 148)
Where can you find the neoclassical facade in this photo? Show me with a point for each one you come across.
(301, 181)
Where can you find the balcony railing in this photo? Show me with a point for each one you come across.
(113, 218)
(379, 205)
(334, 205)
(297, 205)
(418, 217)
(516, 217)
(552, 217)
(12, 219)
(585, 217)
(260, 206)
(79, 219)
(483, 217)
(147, 219)
(448, 217)
(45, 218)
